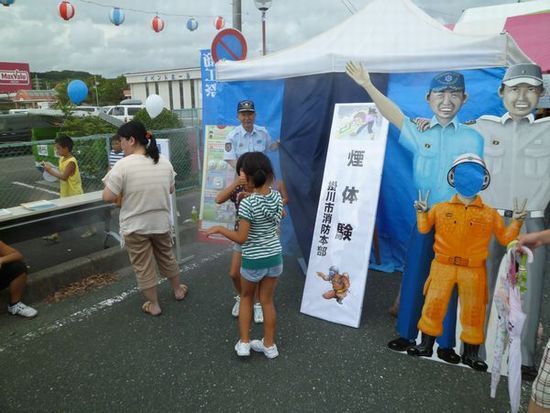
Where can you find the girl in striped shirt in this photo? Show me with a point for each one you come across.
(262, 261)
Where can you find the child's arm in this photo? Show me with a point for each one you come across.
(281, 187)
(69, 171)
(239, 236)
(225, 193)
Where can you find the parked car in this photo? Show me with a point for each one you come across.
(124, 113)
(87, 110)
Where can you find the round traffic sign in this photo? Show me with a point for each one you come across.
(229, 44)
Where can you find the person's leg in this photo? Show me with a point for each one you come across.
(540, 392)
(167, 264)
(151, 306)
(17, 288)
(140, 253)
(235, 270)
(267, 291)
(245, 309)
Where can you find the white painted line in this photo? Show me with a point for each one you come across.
(35, 187)
(82, 315)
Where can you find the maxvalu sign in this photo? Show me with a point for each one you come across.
(14, 77)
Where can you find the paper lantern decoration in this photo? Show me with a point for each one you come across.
(154, 105)
(66, 10)
(219, 23)
(116, 16)
(7, 3)
(157, 24)
(77, 91)
(192, 24)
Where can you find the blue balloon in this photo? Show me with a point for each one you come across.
(77, 91)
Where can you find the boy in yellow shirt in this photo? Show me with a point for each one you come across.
(68, 174)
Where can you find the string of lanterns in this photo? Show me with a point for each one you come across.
(116, 15)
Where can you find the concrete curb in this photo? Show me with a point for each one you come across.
(42, 283)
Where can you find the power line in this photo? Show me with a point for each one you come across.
(96, 3)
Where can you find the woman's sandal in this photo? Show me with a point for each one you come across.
(146, 307)
(185, 289)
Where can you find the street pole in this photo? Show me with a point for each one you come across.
(96, 93)
(263, 33)
(237, 22)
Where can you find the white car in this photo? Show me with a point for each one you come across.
(86, 110)
(124, 113)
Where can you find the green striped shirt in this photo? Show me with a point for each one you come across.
(262, 249)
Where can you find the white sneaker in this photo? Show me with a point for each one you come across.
(269, 352)
(235, 310)
(22, 310)
(258, 313)
(242, 349)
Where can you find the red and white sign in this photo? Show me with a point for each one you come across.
(14, 77)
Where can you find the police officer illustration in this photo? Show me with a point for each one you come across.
(247, 137)
(433, 154)
(517, 153)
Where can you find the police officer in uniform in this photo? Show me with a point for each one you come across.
(247, 137)
(517, 153)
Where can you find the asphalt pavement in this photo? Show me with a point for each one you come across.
(98, 352)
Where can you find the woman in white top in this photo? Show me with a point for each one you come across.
(145, 180)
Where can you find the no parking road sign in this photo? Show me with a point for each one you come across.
(229, 44)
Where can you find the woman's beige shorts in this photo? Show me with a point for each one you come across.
(146, 253)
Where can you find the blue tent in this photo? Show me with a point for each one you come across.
(296, 90)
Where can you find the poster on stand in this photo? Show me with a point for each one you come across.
(217, 174)
(346, 215)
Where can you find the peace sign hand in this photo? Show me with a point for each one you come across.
(358, 73)
(421, 205)
(519, 212)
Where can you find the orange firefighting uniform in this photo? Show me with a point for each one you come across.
(462, 235)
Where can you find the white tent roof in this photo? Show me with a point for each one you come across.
(491, 19)
(386, 36)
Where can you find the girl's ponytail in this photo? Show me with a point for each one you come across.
(151, 148)
(136, 130)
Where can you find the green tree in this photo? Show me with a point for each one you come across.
(111, 91)
(166, 120)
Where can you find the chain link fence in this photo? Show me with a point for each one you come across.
(23, 181)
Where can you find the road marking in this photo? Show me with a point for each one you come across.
(82, 315)
(35, 187)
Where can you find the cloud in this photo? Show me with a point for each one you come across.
(33, 32)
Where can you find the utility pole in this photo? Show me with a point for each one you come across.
(237, 13)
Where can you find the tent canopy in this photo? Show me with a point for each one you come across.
(528, 24)
(490, 20)
(387, 36)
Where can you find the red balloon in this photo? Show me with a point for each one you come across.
(219, 22)
(157, 24)
(66, 10)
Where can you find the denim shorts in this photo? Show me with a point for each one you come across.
(257, 274)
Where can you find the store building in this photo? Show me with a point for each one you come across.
(179, 88)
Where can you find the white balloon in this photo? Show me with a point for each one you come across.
(154, 105)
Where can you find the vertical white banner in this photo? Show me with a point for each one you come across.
(346, 214)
